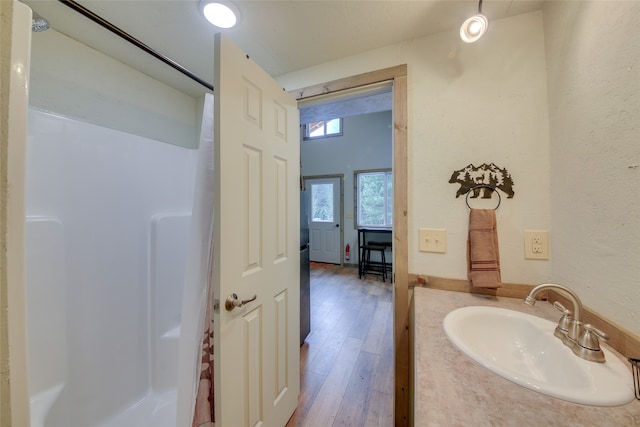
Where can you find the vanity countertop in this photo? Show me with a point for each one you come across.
(453, 390)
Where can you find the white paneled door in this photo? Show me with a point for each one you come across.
(256, 244)
(325, 219)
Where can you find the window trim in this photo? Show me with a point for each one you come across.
(356, 216)
(306, 136)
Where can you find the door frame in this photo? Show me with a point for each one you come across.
(402, 352)
(14, 380)
(341, 177)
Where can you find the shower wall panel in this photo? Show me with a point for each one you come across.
(169, 251)
(104, 187)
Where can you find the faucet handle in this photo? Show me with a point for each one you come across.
(590, 328)
(589, 338)
(562, 308)
(565, 321)
(588, 346)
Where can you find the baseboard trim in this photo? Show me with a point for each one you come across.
(510, 290)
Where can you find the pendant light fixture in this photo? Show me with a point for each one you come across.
(474, 27)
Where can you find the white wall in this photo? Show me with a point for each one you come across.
(478, 103)
(590, 150)
(72, 79)
(593, 53)
(365, 144)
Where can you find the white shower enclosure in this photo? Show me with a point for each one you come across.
(107, 238)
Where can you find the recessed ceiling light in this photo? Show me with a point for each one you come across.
(220, 14)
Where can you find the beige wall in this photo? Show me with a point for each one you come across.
(487, 102)
(469, 103)
(593, 54)
(15, 29)
(6, 10)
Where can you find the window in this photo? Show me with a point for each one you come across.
(322, 202)
(323, 129)
(374, 198)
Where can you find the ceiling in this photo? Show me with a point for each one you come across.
(281, 36)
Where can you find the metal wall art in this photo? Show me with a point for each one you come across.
(478, 179)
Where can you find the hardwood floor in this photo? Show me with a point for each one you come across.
(346, 362)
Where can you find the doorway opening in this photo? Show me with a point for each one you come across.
(397, 77)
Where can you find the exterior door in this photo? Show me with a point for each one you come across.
(256, 251)
(325, 220)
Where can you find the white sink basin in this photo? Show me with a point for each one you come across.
(521, 348)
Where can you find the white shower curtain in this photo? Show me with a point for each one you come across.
(197, 281)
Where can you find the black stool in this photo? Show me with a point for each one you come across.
(388, 265)
(373, 267)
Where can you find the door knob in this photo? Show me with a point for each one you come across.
(337, 225)
(233, 301)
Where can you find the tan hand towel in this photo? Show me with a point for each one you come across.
(483, 257)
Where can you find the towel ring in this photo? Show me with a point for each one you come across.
(493, 190)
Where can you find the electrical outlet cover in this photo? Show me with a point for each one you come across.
(536, 244)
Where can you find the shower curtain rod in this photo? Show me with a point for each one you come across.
(128, 37)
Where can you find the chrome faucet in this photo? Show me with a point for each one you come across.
(581, 338)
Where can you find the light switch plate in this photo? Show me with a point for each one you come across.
(433, 240)
(536, 244)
